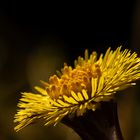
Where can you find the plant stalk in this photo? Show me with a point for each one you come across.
(101, 124)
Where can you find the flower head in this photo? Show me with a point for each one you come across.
(75, 90)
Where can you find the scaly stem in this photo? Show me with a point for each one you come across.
(101, 124)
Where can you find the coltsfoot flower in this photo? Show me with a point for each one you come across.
(75, 90)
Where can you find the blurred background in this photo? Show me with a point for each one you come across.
(36, 38)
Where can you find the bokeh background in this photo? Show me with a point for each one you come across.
(36, 38)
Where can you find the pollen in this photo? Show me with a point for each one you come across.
(75, 90)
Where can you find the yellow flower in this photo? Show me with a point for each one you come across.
(76, 90)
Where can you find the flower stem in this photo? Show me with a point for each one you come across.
(101, 124)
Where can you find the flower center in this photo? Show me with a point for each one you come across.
(73, 80)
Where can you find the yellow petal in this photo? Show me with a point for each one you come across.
(100, 84)
(85, 94)
(41, 90)
(80, 96)
(70, 100)
(63, 103)
(74, 96)
(94, 86)
(55, 103)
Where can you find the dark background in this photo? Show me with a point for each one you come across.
(36, 38)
